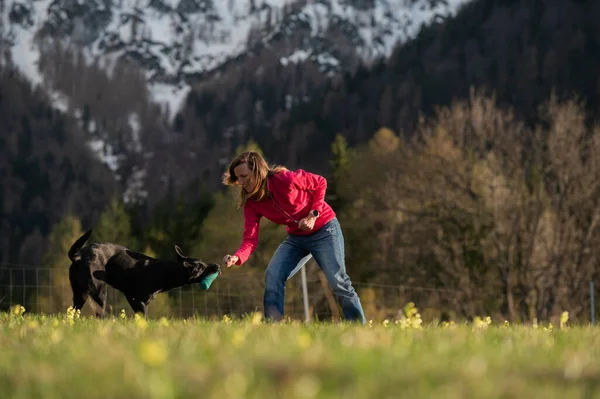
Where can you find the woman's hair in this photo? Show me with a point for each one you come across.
(259, 168)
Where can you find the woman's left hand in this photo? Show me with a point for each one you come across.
(307, 223)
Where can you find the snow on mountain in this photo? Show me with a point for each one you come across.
(179, 40)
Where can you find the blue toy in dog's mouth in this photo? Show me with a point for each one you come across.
(206, 282)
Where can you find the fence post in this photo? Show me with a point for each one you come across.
(37, 289)
(10, 287)
(24, 288)
(305, 294)
(592, 306)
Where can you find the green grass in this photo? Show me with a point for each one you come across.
(68, 357)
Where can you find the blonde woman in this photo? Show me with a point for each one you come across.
(294, 199)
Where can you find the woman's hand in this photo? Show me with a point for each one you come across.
(307, 223)
(229, 260)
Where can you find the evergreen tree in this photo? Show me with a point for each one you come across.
(58, 296)
(339, 163)
(114, 226)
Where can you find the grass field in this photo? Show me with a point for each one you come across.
(66, 356)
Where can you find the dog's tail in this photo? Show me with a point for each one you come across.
(78, 244)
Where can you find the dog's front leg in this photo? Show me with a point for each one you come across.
(138, 305)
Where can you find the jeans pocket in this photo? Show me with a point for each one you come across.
(331, 229)
(334, 232)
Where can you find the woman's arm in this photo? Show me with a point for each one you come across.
(250, 236)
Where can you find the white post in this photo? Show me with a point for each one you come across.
(305, 294)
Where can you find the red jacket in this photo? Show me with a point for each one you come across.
(293, 195)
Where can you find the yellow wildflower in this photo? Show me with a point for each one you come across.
(304, 340)
(140, 321)
(238, 338)
(17, 310)
(153, 353)
(411, 317)
(564, 318)
(257, 318)
(72, 315)
(33, 324)
(480, 323)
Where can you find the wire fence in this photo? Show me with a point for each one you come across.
(235, 293)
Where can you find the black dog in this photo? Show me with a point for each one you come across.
(139, 277)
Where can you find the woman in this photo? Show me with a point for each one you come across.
(294, 199)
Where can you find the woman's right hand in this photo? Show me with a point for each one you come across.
(230, 260)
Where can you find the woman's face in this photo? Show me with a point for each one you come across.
(245, 178)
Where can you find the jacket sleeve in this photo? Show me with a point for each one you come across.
(250, 236)
(317, 184)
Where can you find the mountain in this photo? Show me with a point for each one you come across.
(181, 44)
(177, 42)
(520, 51)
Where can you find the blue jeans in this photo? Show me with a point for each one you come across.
(326, 245)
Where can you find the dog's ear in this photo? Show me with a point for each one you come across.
(180, 256)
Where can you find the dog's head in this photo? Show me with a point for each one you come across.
(200, 272)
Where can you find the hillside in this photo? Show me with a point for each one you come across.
(521, 51)
(47, 171)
